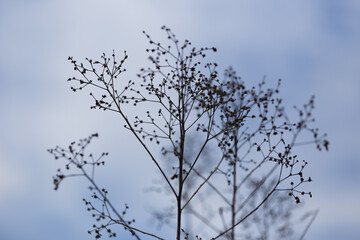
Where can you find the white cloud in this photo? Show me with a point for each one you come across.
(11, 179)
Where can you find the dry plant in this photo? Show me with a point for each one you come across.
(251, 138)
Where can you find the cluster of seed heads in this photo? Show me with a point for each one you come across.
(185, 95)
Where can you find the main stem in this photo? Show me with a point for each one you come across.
(179, 196)
(233, 203)
(181, 112)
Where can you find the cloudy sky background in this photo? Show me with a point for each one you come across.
(314, 46)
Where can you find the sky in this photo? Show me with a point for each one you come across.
(314, 46)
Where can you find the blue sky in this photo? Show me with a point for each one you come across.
(314, 46)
